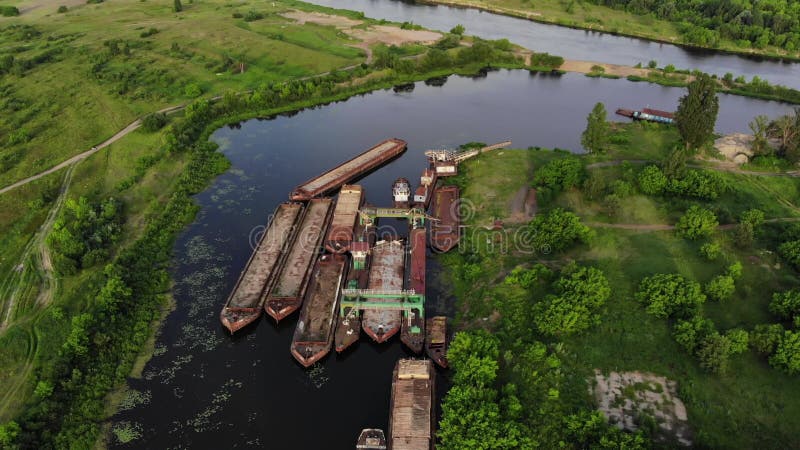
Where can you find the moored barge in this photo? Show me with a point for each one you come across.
(371, 439)
(287, 293)
(348, 327)
(647, 114)
(412, 330)
(401, 192)
(411, 419)
(246, 299)
(436, 340)
(385, 274)
(349, 170)
(445, 228)
(313, 334)
(345, 219)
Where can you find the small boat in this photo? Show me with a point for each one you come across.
(371, 439)
(401, 192)
(436, 340)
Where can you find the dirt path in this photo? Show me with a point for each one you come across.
(81, 156)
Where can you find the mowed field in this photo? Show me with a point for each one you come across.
(752, 405)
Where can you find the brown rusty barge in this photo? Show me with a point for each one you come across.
(287, 293)
(345, 219)
(349, 170)
(246, 300)
(348, 327)
(385, 274)
(436, 340)
(313, 334)
(411, 419)
(445, 229)
(412, 330)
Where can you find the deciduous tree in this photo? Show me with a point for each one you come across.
(595, 138)
(697, 112)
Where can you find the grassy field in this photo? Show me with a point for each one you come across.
(593, 17)
(752, 405)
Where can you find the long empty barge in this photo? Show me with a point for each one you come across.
(246, 300)
(412, 330)
(445, 229)
(385, 274)
(345, 219)
(349, 170)
(650, 115)
(313, 334)
(287, 293)
(411, 418)
(436, 340)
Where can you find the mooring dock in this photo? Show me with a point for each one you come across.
(313, 334)
(345, 219)
(246, 299)
(349, 170)
(385, 274)
(287, 293)
(411, 420)
(412, 330)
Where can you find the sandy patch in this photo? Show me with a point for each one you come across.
(737, 147)
(623, 397)
(394, 36)
(610, 69)
(321, 19)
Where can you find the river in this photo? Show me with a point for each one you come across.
(205, 389)
(572, 43)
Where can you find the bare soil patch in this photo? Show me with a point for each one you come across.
(628, 398)
(610, 69)
(321, 19)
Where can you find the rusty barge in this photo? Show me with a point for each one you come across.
(345, 219)
(412, 330)
(349, 170)
(436, 340)
(348, 327)
(647, 114)
(287, 293)
(246, 299)
(411, 417)
(313, 334)
(385, 274)
(445, 229)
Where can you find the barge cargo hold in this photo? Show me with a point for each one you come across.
(313, 334)
(246, 299)
(345, 219)
(348, 327)
(371, 439)
(412, 330)
(349, 170)
(287, 293)
(411, 417)
(445, 229)
(436, 340)
(385, 274)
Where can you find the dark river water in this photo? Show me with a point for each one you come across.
(571, 43)
(204, 389)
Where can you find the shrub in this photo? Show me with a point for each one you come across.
(9, 11)
(148, 33)
(560, 174)
(193, 90)
(720, 287)
(786, 304)
(697, 222)
(546, 60)
(154, 122)
(580, 293)
(556, 231)
(790, 251)
(689, 333)
(252, 16)
(710, 250)
(668, 295)
(458, 29)
(652, 180)
(62, 9)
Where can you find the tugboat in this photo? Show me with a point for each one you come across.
(371, 439)
(401, 191)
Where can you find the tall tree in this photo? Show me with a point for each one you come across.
(697, 112)
(758, 126)
(595, 138)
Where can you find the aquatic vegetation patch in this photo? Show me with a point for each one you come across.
(127, 432)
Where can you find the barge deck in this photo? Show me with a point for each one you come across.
(411, 417)
(348, 327)
(287, 293)
(385, 274)
(345, 219)
(349, 170)
(436, 340)
(246, 299)
(412, 330)
(445, 232)
(313, 335)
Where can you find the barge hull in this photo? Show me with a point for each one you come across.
(416, 281)
(245, 302)
(345, 219)
(411, 418)
(436, 340)
(385, 273)
(445, 230)
(287, 293)
(313, 334)
(349, 170)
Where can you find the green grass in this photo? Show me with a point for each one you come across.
(752, 405)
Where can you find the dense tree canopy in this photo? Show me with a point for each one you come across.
(560, 174)
(697, 222)
(668, 295)
(697, 112)
(580, 293)
(556, 231)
